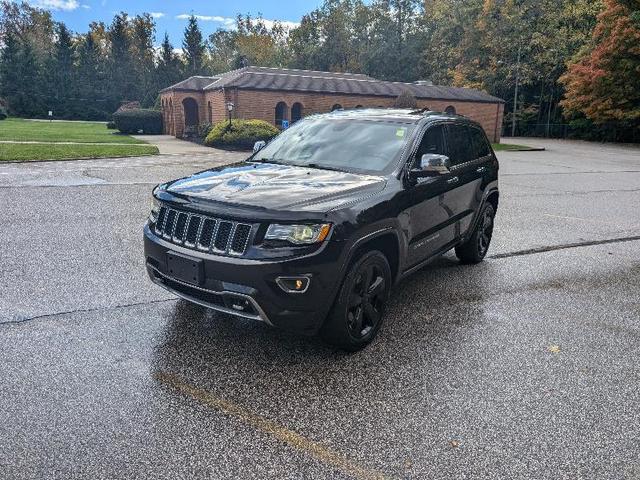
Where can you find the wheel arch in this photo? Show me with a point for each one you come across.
(386, 241)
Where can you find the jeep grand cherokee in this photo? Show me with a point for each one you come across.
(313, 229)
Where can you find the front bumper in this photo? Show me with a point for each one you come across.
(248, 288)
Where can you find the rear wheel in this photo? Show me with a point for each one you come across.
(475, 249)
(357, 314)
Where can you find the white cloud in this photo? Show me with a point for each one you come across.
(226, 21)
(86, 7)
(58, 4)
(229, 22)
(285, 23)
(157, 14)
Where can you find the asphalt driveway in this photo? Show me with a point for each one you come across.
(525, 366)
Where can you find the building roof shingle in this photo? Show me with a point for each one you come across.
(264, 78)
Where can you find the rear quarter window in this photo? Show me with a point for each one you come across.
(479, 143)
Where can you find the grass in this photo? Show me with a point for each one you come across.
(51, 151)
(506, 147)
(86, 140)
(22, 130)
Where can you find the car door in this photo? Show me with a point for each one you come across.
(467, 164)
(430, 223)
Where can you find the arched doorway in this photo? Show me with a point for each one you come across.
(191, 115)
(296, 112)
(281, 113)
(337, 106)
(451, 110)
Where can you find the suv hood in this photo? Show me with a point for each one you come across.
(278, 187)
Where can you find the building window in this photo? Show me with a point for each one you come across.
(451, 110)
(281, 113)
(296, 112)
(209, 112)
(337, 106)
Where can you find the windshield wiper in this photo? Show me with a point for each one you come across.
(323, 167)
(268, 160)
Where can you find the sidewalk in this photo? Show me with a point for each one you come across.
(168, 144)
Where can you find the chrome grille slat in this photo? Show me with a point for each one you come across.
(215, 235)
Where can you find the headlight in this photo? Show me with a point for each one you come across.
(155, 210)
(298, 234)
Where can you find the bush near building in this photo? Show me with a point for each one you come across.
(241, 135)
(140, 120)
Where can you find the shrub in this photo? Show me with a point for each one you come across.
(204, 129)
(3, 113)
(138, 121)
(111, 125)
(242, 134)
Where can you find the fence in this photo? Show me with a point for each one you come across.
(604, 133)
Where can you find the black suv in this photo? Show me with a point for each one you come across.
(313, 229)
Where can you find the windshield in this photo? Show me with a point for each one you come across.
(337, 143)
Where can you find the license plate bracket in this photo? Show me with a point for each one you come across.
(185, 268)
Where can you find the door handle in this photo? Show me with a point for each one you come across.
(481, 169)
(453, 180)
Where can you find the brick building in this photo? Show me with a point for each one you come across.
(275, 95)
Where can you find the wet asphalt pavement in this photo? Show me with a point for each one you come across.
(525, 366)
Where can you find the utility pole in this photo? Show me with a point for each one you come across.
(515, 95)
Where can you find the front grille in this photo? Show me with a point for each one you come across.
(201, 232)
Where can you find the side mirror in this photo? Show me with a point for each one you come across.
(431, 165)
(259, 145)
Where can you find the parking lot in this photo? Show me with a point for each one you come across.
(524, 366)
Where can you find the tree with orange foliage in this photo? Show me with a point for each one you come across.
(603, 84)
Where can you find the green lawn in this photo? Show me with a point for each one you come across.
(505, 147)
(52, 135)
(51, 151)
(84, 132)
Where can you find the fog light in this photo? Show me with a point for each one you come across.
(294, 284)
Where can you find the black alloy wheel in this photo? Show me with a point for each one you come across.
(358, 311)
(476, 247)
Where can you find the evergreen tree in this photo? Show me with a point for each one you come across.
(31, 100)
(143, 35)
(9, 72)
(62, 83)
(122, 76)
(169, 68)
(193, 47)
(91, 86)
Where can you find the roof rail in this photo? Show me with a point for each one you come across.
(419, 111)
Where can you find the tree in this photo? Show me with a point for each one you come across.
(121, 70)
(9, 72)
(604, 82)
(193, 48)
(62, 83)
(90, 76)
(143, 35)
(168, 69)
(406, 100)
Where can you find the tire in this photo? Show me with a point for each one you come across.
(358, 311)
(475, 249)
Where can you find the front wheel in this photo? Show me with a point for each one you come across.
(357, 314)
(475, 249)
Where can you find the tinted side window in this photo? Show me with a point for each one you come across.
(432, 142)
(479, 143)
(459, 141)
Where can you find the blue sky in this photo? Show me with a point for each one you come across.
(169, 15)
